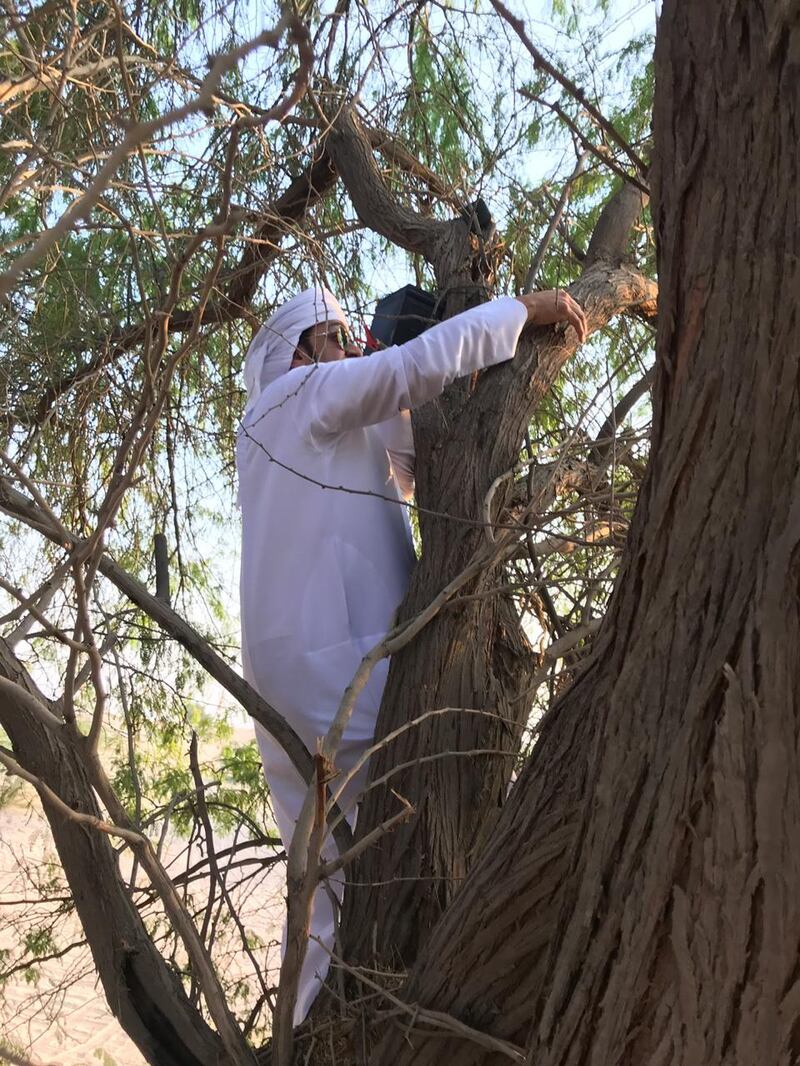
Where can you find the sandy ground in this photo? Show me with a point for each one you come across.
(63, 1019)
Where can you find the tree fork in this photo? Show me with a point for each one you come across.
(472, 655)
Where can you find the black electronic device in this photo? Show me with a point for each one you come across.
(401, 316)
(479, 218)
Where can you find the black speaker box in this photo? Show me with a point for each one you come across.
(402, 315)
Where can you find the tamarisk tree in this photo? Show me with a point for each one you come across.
(575, 846)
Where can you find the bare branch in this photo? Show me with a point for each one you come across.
(436, 1018)
(396, 154)
(49, 797)
(560, 647)
(216, 874)
(41, 599)
(235, 1044)
(604, 442)
(574, 90)
(599, 151)
(330, 868)
(11, 690)
(395, 733)
(563, 200)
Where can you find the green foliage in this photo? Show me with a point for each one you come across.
(104, 1058)
(439, 113)
(11, 789)
(39, 942)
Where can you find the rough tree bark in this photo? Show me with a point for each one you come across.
(640, 902)
(474, 654)
(145, 994)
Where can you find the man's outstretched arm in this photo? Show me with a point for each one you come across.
(359, 392)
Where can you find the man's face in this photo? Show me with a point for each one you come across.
(327, 342)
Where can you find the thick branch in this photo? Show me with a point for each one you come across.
(397, 155)
(613, 229)
(289, 209)
(146, 996)
(352, 154)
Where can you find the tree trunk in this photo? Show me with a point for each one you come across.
(641, 900)
(473, 655)
(144, 994)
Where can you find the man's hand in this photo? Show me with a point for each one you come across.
(554, 305)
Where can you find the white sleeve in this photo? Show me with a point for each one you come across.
(360, 392)
(398, 440)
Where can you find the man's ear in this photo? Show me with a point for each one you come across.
(300, 358)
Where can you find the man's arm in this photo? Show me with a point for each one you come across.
(361, 392)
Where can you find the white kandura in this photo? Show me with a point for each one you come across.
(324, 570)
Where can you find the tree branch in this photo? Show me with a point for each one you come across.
(238, 285)
(396, 154)
(17, 505)
(613, 228)
(375, 206)
(436, 1019)
(145, 994)
(574, 90)
(142, 132)
(604, 442)
(558, 212)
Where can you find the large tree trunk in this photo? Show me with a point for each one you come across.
(641, 900)
(473, 655)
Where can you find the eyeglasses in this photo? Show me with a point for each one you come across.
(341, 336)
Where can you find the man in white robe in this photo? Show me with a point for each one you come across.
(325, 460)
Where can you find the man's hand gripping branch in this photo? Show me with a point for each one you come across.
(554, 305)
